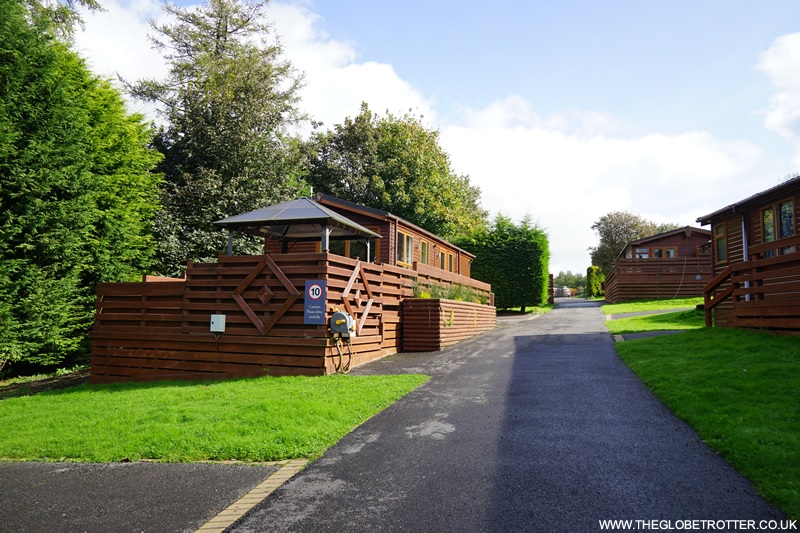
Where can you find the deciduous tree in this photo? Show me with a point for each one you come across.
(395, 164)
(616, 230)
(568, 279)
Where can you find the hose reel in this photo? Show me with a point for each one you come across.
(343, 327)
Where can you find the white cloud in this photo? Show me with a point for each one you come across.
(336, 82)
(781, 63)
(567, 177)
(115, 43)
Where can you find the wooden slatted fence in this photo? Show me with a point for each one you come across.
(644, 279)
(159, 328)
(764, 293)
(431, 324)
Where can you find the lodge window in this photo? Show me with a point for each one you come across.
(450, 262)
(768, 229)
(642, 253)
(720, 243)
(424, 252)
(441, 260)
(786, 214)
(355, 249)
(405, 249)
(671, 253)
(658, 253)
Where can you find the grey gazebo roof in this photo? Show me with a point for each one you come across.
(302, 219)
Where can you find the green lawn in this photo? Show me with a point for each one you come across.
(261, 419)
(741, 391)
(681, 320)
(650, 305)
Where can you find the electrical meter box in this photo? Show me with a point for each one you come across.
(217, 323)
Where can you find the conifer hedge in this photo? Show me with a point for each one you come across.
(76, 191)
(514, 259)
(594, 281)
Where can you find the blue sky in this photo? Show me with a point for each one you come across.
(561, 110)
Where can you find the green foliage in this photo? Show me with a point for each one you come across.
(681, 320)
(453, 291)
(264, 419)
(616, 230)
(228, 100)
(395, 164)
(650, 305)
(513, 259)
(77, 192)
(594, 281)
(575, 281)
(60, 17)
(739, 390)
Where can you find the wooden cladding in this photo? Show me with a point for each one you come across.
(644, 279)
(160, 330)
(431, 324)
(756, 294)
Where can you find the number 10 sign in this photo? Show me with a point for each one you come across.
(315, 302)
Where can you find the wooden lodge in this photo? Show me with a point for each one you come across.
(673, 264)
(756, 266)
(401, 243)
(161, 328)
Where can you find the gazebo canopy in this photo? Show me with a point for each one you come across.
(302, 219)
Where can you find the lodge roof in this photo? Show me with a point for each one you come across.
(380, 213)
(688, 230)
(296, 220)
(742, 205)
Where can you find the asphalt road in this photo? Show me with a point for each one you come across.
(119, 497)
(536, 426)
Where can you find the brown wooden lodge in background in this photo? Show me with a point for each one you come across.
(756, 266)
(673, 264)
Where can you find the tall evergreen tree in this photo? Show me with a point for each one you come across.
(76, 190)
(395, 164)
(227, 102)
(514, 259)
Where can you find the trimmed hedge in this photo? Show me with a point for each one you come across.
(594, 281)
(514, 259)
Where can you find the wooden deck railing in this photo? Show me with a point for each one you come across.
(159, 328)
(756, 294)
(642, 279)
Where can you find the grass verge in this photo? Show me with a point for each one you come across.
(650, 305)
(741, 391)
(681, 320)
(263, 419)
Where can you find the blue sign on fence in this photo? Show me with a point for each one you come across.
(315, 301)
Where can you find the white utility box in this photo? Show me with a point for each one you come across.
(217, 323)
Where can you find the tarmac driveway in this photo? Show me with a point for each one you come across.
(536, 426)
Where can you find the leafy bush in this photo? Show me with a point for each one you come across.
(458, 291)
(594, 281)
